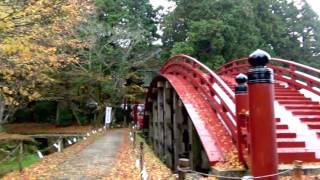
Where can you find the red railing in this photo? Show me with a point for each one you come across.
(222, 98)
(208, 82)
(295, 74)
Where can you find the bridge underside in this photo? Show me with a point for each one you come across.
(182, 124)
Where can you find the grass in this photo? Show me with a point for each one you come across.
(12, 164)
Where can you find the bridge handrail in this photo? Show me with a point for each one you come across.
(213, 79)
(293, 73)
(208, 71)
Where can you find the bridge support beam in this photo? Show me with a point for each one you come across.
(190, 143)
(154, 121)
(160, 124)
(264, 157)
(178, 129)
(168, 128)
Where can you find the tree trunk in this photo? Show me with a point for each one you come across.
(73, 109)
(57, 113)
(2, 107)
(98, 118)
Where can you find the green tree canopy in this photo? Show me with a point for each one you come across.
(217, 31)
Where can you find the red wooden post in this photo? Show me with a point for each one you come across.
(242, 107)
(263, 156)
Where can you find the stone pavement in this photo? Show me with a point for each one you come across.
(93, 162)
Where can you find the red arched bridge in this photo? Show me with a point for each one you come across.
(271, 118)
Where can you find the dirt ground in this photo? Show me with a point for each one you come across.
(43, 128)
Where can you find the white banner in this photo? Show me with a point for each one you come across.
(40, 154)
(108, 115)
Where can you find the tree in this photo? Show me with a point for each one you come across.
(211, 30)
(36, 38)
(218, 31)
(290, 29)
(109, 71)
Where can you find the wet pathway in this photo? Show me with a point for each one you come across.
(93, 162)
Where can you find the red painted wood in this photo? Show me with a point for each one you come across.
(215, 139)
(306, 119)
(242, 110)
(290, 98)
(314, 126)
(306, 112)
(199, 80)
(282, 126)
(295, 102)
(263, 146)
(303, 107)
(291, 144)
(286, 157)
(286, 135)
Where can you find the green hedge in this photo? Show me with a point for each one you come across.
(65, 117)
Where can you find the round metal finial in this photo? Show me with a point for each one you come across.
(241, 86)
(259, 58)
(241, 78)
(91, 105)
(259, 73)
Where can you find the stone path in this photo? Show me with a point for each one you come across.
(97, 158)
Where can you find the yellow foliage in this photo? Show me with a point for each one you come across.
(33, 35)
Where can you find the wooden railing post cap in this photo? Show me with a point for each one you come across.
(297, 163)
(184, 162)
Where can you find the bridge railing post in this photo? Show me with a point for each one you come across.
(134, 137)
(20, 156)
(183, 167)
(242, 108)
(263, 147)
(297, 170)
(141, 156)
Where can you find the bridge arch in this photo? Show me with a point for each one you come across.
(187, 95)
